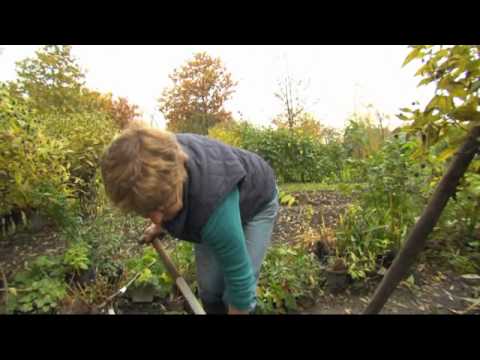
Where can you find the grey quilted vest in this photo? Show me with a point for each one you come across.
(214, 170)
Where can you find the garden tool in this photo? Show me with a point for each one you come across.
(179, 280)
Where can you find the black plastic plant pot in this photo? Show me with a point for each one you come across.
(337, 281)
(387, 259)
(321, 251)
(176, 305)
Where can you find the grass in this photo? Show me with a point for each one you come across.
(295, 187)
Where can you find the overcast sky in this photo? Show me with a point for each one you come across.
(341, 77)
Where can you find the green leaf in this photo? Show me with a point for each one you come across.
(445, 104)
(440, 102)
(475, 86)
(39, 302)
(458, 91)
(26, 307)
(466, 112)
(422, 119)
(414, 54)
(425, 81)
(427, 68)
(441, 53)
(454, 88)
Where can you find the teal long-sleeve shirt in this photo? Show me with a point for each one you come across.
(223, 233)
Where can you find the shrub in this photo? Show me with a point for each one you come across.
(296, 156)
(392, 198)
(85, 136)
(40, 288)
(152, 272)
(289, 275)
(33, 173)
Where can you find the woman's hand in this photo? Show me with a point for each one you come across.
(150, 233)
(234, 311)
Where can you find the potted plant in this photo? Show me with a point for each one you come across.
(336, 274)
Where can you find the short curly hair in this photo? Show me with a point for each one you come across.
(143, 169)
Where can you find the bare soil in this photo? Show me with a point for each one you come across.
(432, 291)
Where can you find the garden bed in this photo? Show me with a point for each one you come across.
(430, 292)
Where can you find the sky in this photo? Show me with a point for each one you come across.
(342, 78)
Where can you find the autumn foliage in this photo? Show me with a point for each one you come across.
(195, 101)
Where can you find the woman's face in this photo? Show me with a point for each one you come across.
(166, 213)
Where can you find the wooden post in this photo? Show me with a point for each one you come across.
(427, 221)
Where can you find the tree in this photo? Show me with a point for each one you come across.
(124, 113)
(119, 110)
(195, 102)
(51, 80)
(291, 93)
(456, 72)
(307, 123)
(364, 134)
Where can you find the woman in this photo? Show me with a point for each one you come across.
(221, 198)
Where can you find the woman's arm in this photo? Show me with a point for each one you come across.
(224, 235)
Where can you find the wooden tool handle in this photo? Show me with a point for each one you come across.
(165, 259)
(179, 281)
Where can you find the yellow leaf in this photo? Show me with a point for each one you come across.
(447, 153)
(12, 291)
